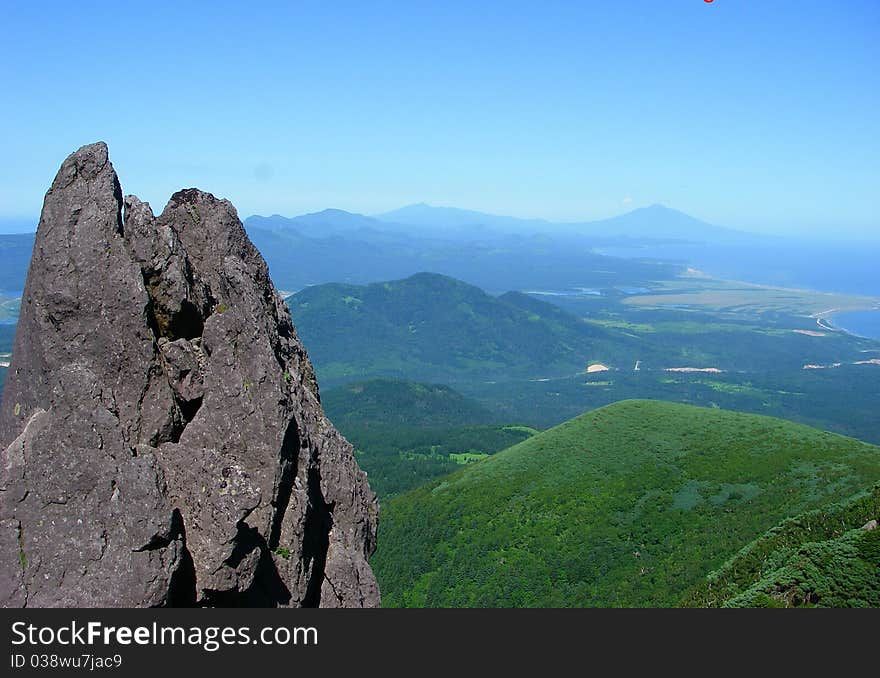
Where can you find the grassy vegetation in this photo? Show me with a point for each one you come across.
(467, 457)
(742, 342)
(822, 558)
(629, 505)
(733, 296)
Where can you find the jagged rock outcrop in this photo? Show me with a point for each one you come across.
(162, 437)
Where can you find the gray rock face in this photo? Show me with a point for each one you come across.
(162, 437)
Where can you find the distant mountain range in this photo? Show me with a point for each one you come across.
(335, 246)
(655, 223)
(500, 253)
(453, 219)
(497, 253)
(323, 224)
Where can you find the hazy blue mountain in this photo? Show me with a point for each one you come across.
(428, 217)
(296, 261)
(496, 253)
(338, 246)
(658, 222)
(494, 262)
(654, 223)
(321, 224)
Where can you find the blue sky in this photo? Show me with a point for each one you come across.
(752, 114)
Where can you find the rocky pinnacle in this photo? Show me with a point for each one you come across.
(161, 432)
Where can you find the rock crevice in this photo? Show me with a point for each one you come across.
(162, 435)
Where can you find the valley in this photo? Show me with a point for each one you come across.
(750, 359)
(406, 433)
(528, 360)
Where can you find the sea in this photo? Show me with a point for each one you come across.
(6, 319)
(860, 323)
(823, 266)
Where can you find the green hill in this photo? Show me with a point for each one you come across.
(406, 433)
(829, 557)
(629, 505)
(432, 328)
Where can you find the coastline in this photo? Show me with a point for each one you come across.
(834, 323)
